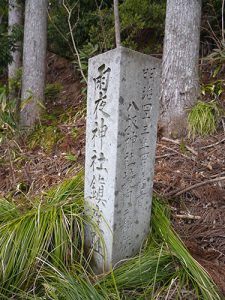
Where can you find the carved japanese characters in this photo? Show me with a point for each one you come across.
(123, 104)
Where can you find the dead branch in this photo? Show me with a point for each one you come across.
(188, 216)
(216, 40)
(212, 145)
(165, 155)
(175, 151)
(189, 188)
(177, 142)
(216, 175)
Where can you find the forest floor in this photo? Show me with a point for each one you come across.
(191, 179)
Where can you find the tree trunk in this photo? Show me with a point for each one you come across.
(15, 18)
(180, 83)
(117, 23)
(34, 61)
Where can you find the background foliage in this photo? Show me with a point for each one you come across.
(142, 27)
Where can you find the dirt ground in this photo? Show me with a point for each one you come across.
(190, 175)
(194, 184)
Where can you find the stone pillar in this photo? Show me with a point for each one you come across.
(122, 113)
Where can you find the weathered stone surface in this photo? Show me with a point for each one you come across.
(122, 112)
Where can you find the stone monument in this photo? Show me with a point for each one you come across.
(122, 112)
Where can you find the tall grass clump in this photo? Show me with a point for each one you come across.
(192, 271)
(203, 118)
(42, 256)
(164, 269)
(52, 230)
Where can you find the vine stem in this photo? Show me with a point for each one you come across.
(69, 12)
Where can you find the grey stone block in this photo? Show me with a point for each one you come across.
(122, 112)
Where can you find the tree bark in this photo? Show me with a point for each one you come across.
(180, 82)
(117, 23)
(34, 61)
(15, 18)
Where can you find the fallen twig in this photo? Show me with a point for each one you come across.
(177, 142)
(188, 216)
(175, 151)
(216, 175)
(165, 155)
(212, 145)
(179, 192)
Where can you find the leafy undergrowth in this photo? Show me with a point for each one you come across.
(30, 164)
(42, 255)
(44, 137)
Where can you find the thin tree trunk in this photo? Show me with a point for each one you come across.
(34, 61)
(223, 38)
(15, 18)
(180, 82)
(117, 23)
